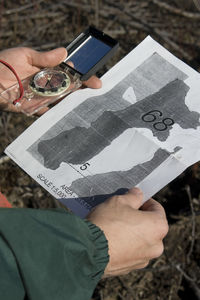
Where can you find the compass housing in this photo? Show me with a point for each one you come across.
(50, 82)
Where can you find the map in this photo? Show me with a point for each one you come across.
(118, 139)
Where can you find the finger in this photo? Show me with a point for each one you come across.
(93, 82)
(48, 59)
(133, 198)
(7, 106)
(157, 250)
(42, 111)
(154, 206)
(70, 63)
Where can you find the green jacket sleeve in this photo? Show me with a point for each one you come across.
(49, 254)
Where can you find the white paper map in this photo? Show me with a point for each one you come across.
(142, 128)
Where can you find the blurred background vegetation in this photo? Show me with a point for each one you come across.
(47, 24)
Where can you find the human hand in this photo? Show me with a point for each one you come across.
(27, 62)
(134, 231)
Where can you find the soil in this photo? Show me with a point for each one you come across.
(46, 24)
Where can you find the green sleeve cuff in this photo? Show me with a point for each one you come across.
(101, 254)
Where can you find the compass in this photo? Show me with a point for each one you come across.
(50, 82)
(87, 53)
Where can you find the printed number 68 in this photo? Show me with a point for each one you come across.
(152, 115)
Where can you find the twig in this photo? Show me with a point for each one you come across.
(178, 267)
(141, 24)
(20, 8)
(195, 289)
(197, 4)
(192, 281)
(173, 44)
(175, 288)
(85, 7)
(97, 13)
(176, 11)
(4, 159)
(117, 16)
(193, 222)
(33, 16)
(101, 294)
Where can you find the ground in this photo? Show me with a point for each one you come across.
(46, 24)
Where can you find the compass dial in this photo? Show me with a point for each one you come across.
(50, 82)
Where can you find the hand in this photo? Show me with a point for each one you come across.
(26, 62)
(134, 231)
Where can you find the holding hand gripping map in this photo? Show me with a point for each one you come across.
(141, 129)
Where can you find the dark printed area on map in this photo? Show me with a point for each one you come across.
(142, 128)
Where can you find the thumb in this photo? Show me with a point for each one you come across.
(50, 58)
(134, 198)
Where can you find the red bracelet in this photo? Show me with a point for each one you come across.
(21, 89)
